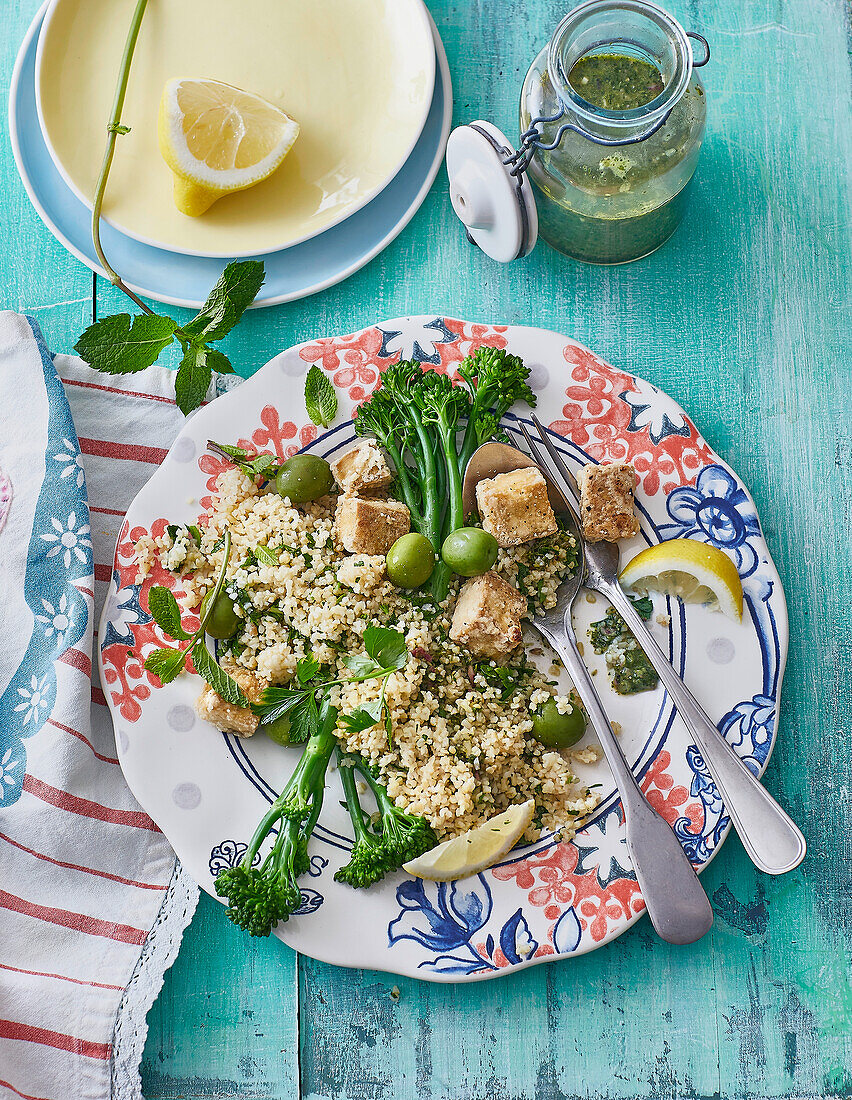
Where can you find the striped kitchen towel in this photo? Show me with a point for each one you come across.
(93, 903)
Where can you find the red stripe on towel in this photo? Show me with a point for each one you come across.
(79, 867)
(9, 1029)
(84, 739)
(92, 926)
(82, 806)
(132, 452)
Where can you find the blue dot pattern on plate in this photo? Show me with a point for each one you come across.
(181, 718)
(187, 795)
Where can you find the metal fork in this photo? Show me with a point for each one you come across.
(677, 904)
(772, 840)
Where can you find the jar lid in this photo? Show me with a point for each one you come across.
(497, 208)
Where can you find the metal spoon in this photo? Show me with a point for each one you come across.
(677, 905)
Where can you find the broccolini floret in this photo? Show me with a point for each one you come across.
(259, 897)
(396, 838)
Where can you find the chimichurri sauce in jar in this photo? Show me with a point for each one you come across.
(631, 113)
(615, 81)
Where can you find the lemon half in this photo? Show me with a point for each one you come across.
(218, 139)
(692, 571)
(476, 849)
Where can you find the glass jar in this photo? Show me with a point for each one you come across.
(613, 185)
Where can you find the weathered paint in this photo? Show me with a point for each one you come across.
(744, 317)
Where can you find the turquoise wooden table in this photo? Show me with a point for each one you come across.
(744, 318)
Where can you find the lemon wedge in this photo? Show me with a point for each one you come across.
(476, 849)
(692, 571)
(218, 139)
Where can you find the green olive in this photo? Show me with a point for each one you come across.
(410, 561)
(223, 620)
(558, 731)
(303, 478)
(469, 551)
(278, 730)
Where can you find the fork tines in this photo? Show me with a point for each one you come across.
(565, 482)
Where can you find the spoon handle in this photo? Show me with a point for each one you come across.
(771, 838)
(677, 905)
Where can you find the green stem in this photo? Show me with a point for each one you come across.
(113, 130)
(220, 581)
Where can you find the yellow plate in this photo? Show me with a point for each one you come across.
(357, 75)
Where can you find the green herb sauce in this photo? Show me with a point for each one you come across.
(615, 81)
(630, 669)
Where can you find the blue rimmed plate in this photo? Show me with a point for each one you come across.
(184, 280)
(207, 790)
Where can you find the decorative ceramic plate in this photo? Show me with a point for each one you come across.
(207, 790)
(184, 280)
(357, 77)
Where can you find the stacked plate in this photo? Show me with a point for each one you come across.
(369, 84)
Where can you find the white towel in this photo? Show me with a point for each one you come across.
(93, 903)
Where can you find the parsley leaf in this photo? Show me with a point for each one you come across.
(360, 666)
(166, 613)
(306, 669)
(227, 302)
(216, 676)
(363, 717)
(320, 398)
(386, 647)
(123, 345)
(166, 663)
(304, 720)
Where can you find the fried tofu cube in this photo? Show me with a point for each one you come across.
(514, 507)
(487, 617)
(362, 469)
(367, 526)
(224, 715)
(606, 501)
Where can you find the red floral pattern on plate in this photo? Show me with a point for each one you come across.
(597, 418)
(125, 677)
(553, 884)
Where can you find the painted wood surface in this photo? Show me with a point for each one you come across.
(744, 318)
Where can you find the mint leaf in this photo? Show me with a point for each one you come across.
(219, 362)
(123, 345)
(266, 557)
(306, 669)
(320, 398)
(166, 663)
(216, 676)
(193, 378)
(228, 300)
(255, 465)
(386, 647)
(165, 612)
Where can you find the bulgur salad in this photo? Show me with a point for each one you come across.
(356, 610)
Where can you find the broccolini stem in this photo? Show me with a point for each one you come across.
(353, 803)
(431, 501)
(306, 781)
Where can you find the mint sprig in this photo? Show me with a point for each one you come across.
(167, 662)
(122, 344)
(262, 465)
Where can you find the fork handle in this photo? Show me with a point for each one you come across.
(771, 838)
(677, 904)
